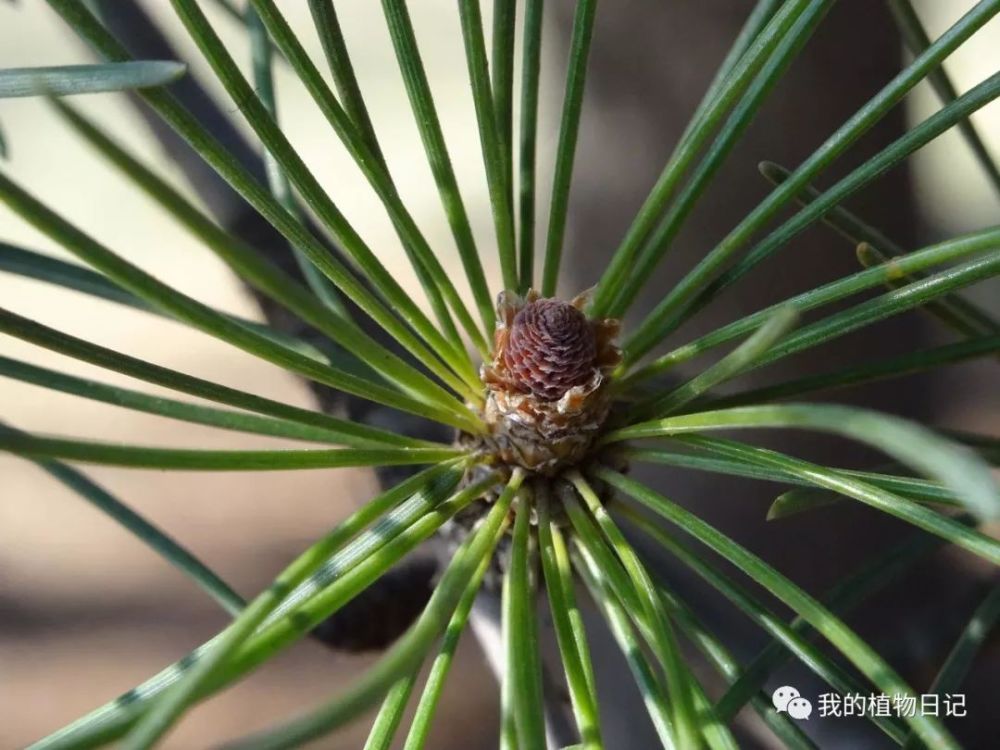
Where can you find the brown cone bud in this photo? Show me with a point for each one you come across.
(551, 348)
(545, 386)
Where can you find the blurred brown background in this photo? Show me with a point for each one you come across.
(86, 611)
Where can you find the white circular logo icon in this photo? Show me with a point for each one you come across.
(782, 696)
(799, 708)
(788, 699)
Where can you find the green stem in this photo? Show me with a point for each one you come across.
(390, 715)
(732, 365)
(615, 614)
(664, 642)
(69, 80)
(261, 55)
(659, 242)
(570, 634)
(53, 340)
(135, 456)
(524, 661)
(32, 265)
(826, 669)
(854, 648)
(569, 130)
(410, 649)
(338, 60)
(730, 88)
(679, 302)
(951, 250)
(902, 439)
(502, 86)
(490, 138)
(852, 590)
(163, 544)
(198, 137)
(354, 112)
(424, 714)
(729, 668)
(438, 402)
(914, 489)
(419, 252)
(945, 526)
(169, 709)
(963, 654)
(329, 588)
(858, 231)
(354, 435)
(891, 303)
(921, 360)
(425, 114)
(530, 75)
(916, 39)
